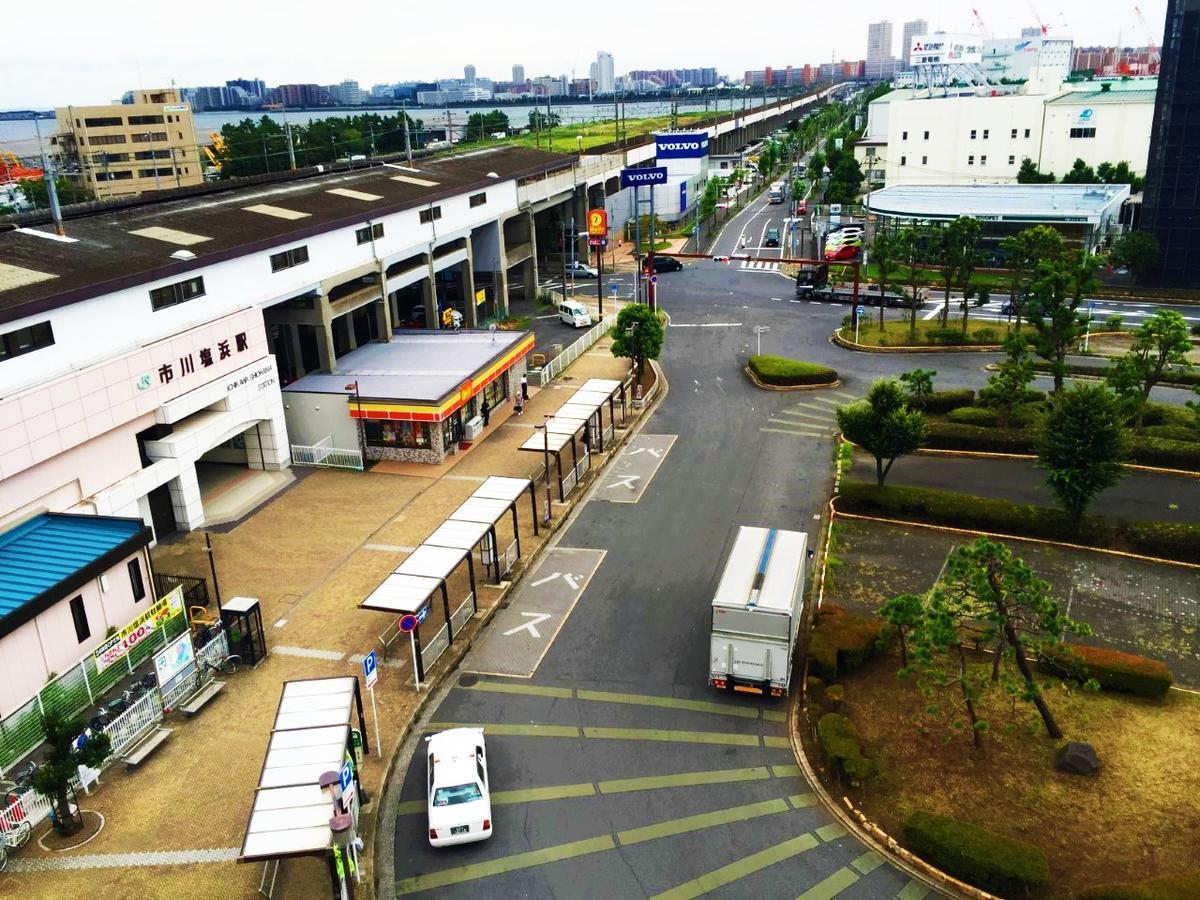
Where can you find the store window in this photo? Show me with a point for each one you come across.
(495, 393)
(413, 435)
(83, 631)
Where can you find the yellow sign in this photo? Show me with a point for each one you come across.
(480, 296)
(447, 317)
(115, 648)
(597, 223)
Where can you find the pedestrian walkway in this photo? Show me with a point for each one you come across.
(813, 418)
(758, 265)
(310, 554)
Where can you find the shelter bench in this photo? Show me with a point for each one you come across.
(147, 745)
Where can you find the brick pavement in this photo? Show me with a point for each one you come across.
(311, 554)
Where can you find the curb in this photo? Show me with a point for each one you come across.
(435, 688)
(789, 387)
(987, 454)
(848, 344)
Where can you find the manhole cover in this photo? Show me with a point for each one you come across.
(468, 680)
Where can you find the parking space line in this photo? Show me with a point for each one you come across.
(788, 771)
(683, 779)
(512, 730)
(807, 434)
(828, 888)
(802, 801)
(831, 832)
(774, 715)
(914, 890)
(867, 863)
(526, 860)
(772, 741)
(739, 869)
(704, 820)
(814, 427)
(504, 687)
(552, 792)
(674, 737)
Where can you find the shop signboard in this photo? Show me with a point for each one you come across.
(174, 661)
(116, 647)
(597, 223)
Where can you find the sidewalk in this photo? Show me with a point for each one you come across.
(173, 828)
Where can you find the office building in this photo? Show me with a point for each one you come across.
(604, 77)
(124, 149)
(880, 62)
(1171, 209)
(518, 75)
(299, 96)
(469, 75)
(1027, 58)
(348, 93)
(255, 87)
(911, 30)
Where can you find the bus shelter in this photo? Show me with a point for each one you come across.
(491, 502)
(613, 389)
(302, 786)
(555, 437)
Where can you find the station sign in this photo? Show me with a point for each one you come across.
(643, 177)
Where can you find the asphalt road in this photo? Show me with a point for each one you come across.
(617, 771)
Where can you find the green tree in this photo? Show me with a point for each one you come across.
(1139, 250)
(1194, 405)
(62, 761)
(1121, 173)
(1010, 384)
(910, 253)
(1081, 173)
(904, 613)
(883, 254)
(985, 584)
(1081, 444)
(712, 194)
(1055, 295)
(845, 181)
(954, 251)
(918, 386)
(481, 125)
(38, 194)
(638, 336)
(1029, 174)
(1160, 343)
(540, 121)
(1024, 250)
(883, 424)
(816, 165)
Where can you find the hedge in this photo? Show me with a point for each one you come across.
(943, 401)
(1165, 414)
(1156, 451)
(1170, 540)
(974, 415)
(956, 337)
(779, 370)
(842, 745)
(1114, 670)
(1183, 433)
(1168, 887)
(841, 641)
(1178, 376)
(957, 436)
(993, 862)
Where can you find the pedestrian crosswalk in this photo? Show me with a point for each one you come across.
(758, 265)
(813, 417)
(1131, 313)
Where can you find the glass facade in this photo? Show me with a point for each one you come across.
(1171, 205)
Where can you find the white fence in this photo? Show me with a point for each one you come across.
(132, 725)
(207, 657)
(461, 616)
(435, 648)
(324, 454)
(554, 368)
(32, 807)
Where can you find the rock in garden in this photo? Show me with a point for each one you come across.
(1077, 758)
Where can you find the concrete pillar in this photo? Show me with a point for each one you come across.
(185, 498)
(466, 275)
(429, 298)
(291, 334)
(530, 272)
(383, 319)
(324, 334)
(348, 324)
(267, 446)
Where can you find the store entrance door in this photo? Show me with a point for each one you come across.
(162, 512)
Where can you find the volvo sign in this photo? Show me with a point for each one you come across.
(643, 177)
(681, 145)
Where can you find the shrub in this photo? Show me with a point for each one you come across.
(1112, 669)
(1169, 887)
(1196, 329)
(999, 864)
(1171, 540)
(946, 336)
(841, 744)
(985, 336)
(1155, 451)
(943, 401)
(1172, 432)
(1027, 415)
(1163, 414)
(974, 415)
(1098, 370)
(1114, 322)
(841, 641)
(958, 436)
(780, 370)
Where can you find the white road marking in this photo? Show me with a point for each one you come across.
(624, 481)
(706, 324)
(570, 580)
(545, 580)
(535, 619)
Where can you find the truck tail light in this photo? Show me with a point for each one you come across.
(433, 834)
(776, 692)
(719, 683)
(487, 824)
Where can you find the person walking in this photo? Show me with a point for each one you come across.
(518, 407)
(524, 387)
(486, 412)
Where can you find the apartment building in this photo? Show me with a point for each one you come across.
(124, 149)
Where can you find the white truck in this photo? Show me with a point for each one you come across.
(756, 612)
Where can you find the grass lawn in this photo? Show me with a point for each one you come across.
(896, 331)
(565, 138)
(993, 281)
(1135, 820)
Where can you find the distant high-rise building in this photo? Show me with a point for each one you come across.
(469, 75)
(880, 62)
(1171, 206)
(1032, 31)
(518, 74)
(254, 86)
(604, 77)
(347, 93)
(911, 30)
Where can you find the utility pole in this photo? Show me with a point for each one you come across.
(51, 180)
(407, 141)
(371, 146)
(449, 127)
(287, 127)
(154, 158)
(175, 168)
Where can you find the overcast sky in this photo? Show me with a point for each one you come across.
(93, 52)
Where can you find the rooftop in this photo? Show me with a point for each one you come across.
(113, 248)
(1141, 94)
(1025, 202)
(46, 557)
(425, 367)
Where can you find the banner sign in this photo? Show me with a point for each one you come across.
(680, 145)
(175, 660)
(946, 49)
(116, 647)
(643, 177)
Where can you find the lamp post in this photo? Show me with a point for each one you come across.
(544, 427)
(362, 436)
(212, 567)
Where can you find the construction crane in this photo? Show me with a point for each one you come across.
(1155, 57)
(979, 21)
(1042, 25)
(13, 168)
(218, 143)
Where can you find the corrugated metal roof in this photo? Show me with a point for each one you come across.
(1141, 95)
(48, 549)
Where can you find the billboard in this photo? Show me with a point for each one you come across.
(946, 49)
(643, 177)
(172, 661)
(681, 145)
(144, 626)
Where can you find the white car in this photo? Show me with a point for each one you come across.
(460, 805)
(581, 270)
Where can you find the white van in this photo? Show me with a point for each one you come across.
(574, 314)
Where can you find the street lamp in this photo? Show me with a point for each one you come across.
(362, 436)
(545, 429)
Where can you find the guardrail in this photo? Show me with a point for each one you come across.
(327, 456)
(554, 368)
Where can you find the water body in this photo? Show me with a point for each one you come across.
(19, 137)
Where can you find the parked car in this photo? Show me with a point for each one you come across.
(843, 242)
(575, 314)
(460, 807)
(848, 251)
(802, 207)
(581, 270)
(772, 238)
(665, 264)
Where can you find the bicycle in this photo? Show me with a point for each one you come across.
(13, 837)
(226, 666)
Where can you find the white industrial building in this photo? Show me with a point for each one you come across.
(969, 138)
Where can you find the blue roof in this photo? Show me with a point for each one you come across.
(50, 548)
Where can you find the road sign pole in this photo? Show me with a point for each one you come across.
(637, 246)
(375, 716)
(412, 639)
(600, 281)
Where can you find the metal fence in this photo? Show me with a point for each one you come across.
(435, 648)
(554, 368)
(207, 657)
(31, 807)
(462, 615)
(325, 455)
(135, 723)
(75, 690)
(195, 590)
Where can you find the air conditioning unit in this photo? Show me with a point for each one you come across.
(472, 428)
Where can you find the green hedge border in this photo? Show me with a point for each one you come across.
(779, 371)
(994, 862)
